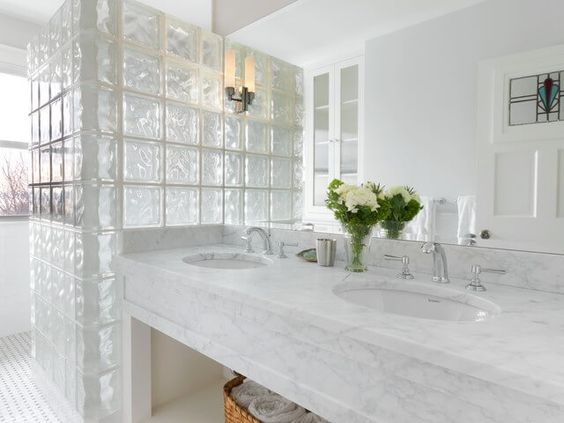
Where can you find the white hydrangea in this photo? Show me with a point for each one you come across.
(354, 197)
(407, 197)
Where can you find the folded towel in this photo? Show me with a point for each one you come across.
(422, 227)
(246, 392)
(466, 218)
(310, 418)
(275, 409)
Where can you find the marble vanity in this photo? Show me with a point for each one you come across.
(282, 324)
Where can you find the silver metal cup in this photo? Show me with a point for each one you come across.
(326, 251)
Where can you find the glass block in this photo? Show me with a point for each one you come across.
(97, 301)
(95, 206)
(141, 116)
(97, 347)
(281, 106)
(95, 59)
(98, 394)
(44, 86)
(45, 205)
(57, 162)
(68, 297)
(93, 254)
(56, 76)
(68, 192)
(141, 161)
(256, 171)
(140, 24)
(298, 82)
(70, 252)
(259, 108)
(280, 205)
(256, 206)
(281, 141)
(35, 128)
(233, 169)
(45, 162)
(212, 95)
(54, 29)
(182, 124)
(297, 205)
(298, 143)
(96, 14)
(281, 75)
(233, 139)
(212, 206)
(298, 174)
(141, 72)
(142, 206)
(182, 40)
(57, 204)
(262, 67)
(44, 49)
(35, 178)
(212, 129)
(57, 119)
(299, 112)
(182, 165)
(181, 206)
(95, 109)
(70, 381)
(67, 67)
(44, 125)
(182, 83)
(233, 207)
(68, 104)
(66, 21)
(256, 137)
(281, 173)
(95, 158)
(212, 51)
(212, 167)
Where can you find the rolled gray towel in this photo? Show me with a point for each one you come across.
(275, 409)
(310, 418)
(246, 392)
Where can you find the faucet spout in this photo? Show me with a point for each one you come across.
(440, 264)
(265, 239)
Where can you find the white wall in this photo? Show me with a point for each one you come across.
(15, 302)
(421, 90)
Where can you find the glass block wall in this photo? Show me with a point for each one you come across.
(130, 130)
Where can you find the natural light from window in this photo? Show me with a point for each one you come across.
(14, 138)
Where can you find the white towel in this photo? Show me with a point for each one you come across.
(246, 392)
(310, 418)
(422, 227)
(275, 409)
(466, 218)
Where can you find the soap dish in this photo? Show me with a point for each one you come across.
(308, 255)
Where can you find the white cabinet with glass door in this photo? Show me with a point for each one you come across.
(333, 131)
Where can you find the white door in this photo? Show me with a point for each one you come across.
(520, 140)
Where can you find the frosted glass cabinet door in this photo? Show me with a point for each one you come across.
(321, 132)
(348, 124)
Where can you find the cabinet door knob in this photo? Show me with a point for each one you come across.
(485, 234)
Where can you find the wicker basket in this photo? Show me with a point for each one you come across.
(233, 412)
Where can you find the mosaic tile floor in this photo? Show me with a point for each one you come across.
(20, 399)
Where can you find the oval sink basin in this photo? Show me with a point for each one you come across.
(413, 300)
(226, 261)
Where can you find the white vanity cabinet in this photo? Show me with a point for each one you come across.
(333, 147)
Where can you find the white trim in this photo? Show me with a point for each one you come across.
(21, 145)
(13, 60)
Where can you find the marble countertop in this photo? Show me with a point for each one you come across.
(522, 348)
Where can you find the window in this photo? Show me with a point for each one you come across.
(14, 157)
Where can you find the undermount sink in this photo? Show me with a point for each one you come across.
(421, 301)
(226, 261)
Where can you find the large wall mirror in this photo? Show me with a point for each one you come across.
(472, 121)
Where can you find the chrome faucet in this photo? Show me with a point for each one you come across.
(440, 266)
(248, 238)
(476, 283)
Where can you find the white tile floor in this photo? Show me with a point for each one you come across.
(20, 399)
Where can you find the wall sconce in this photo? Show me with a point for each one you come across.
(246, 94)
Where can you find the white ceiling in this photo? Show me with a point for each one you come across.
(310, 31)
(38, 11)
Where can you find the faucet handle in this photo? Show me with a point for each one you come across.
(248, 244)
(405, 272)
(476, 283)
(281, 245)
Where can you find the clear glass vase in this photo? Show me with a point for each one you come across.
(357, 241)
(392, 228)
